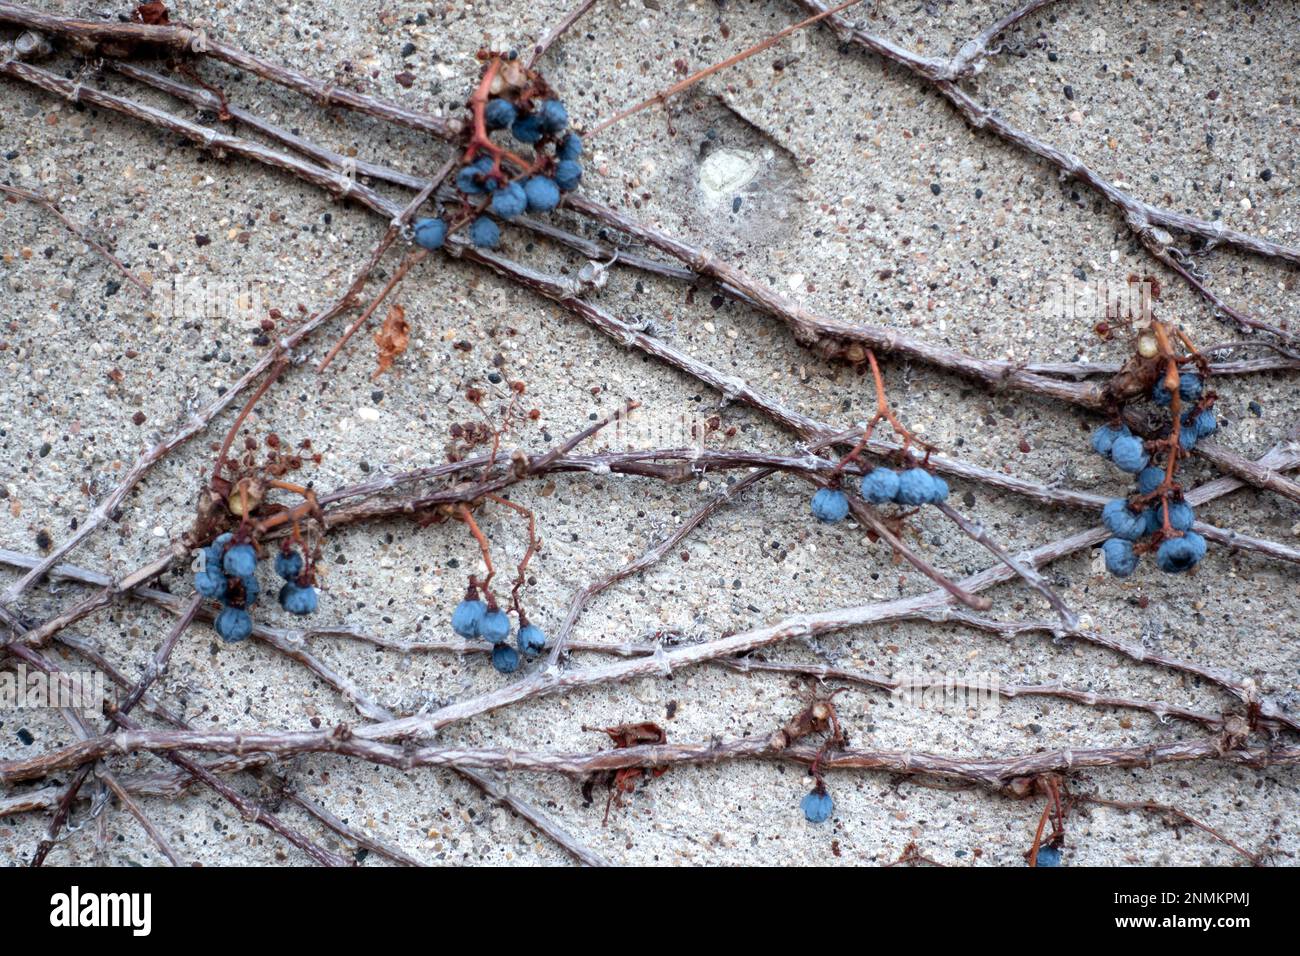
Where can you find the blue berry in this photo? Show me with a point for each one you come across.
(1048, 856)
(567, 175)
(495, 627)
(498, 114)
(1187, 436)
(1189, 386)
(1180, 554)
(211, 583)
(233, 624)
(531, 640)
(1120, 559)
(430, 233)
(240, 561)
(543, 195)
(288, 564)
(570, 148)
(915, 487)
(252, 590)
(817, 806)
(1181, 517)
(1128, 454)
(1122, 522)
(527, 128)
(881, 486)
(505, 658)
(298, 600)
(1104, 437)
(485, 233)
(470, 178)
(554, 117)
(830, 505)
(940, 490)
(1161, 395)
(1205, 423)
(1149, 479)
(509, 201)
(1154, 517)
(467, 619)
(214, 552)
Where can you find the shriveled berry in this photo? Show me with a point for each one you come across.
(542, 193)
(915, 487)
(288, 564)
(509, 201)
(233, 625)
(567, 175)
(1128, 454)
(527, 128)
(1177, 555)
(495, 627)
(1104, 437)
(1149, 479)
(211, 583)
(505, 658)
(570, 148)
(531, 640)
(498, 114)
(240, 561)
(1122, 522)
(430, 233)
(817, 806)
(1120, 559)
(485, 233)
(554, 117)
(830, 505)
(298, 600)
(467, 619)
(880, 486)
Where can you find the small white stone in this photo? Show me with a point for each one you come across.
(368, 414)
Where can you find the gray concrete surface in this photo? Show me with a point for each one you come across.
(832, 157)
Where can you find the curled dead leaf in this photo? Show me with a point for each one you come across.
(392, 338)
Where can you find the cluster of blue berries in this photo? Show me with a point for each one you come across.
(913, 487)
(507, 198)
(1177, 552)
(817, 806)
(473, 618)
(229, 575)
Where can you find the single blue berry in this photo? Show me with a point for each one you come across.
(1120, 559)
(505, 658)
(1048, 856)
(543, 195)
(1122, 522)
(485, 233)
(881, 486)
(298, 600)
(527, 128)
(1205, 423)
(1160, 394)
(1189, 386)
(531, 640)
(498, 114)
(1187, 436)
(570, 148)
(470, 180)
(240, 561)
(1180, 554)
(211, 583)
(817, 806)
(467, 619)
(509, 201)
(495, 627)
(1181, 517)
(288, 564)
(1149, 479)
(233, 625)
(214, 552)
(554, 117)
(1104, 437)
(940, 490)
(430, 233)
(915, 487)
(567, 175)
(830, 505)
(1128, 454)
(252, 590)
